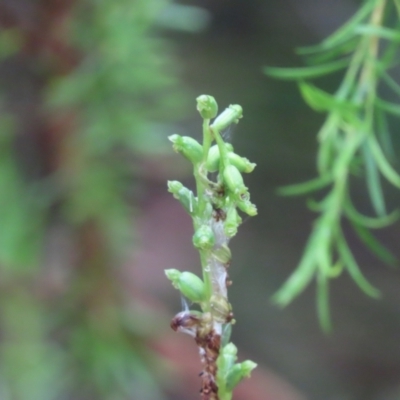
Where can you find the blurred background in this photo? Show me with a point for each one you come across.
(89, 92)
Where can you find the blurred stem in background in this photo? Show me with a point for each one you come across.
(83, 85)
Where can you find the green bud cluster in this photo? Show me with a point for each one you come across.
(229, 372)
(214, 211)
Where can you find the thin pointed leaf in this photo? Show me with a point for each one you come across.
(306, 187)
(390, 108)
(338, 52)
(323, 302)
(345, 32)
(384, 135)
(319, 100)
(327, 137)
(353, 268)
(386, 59)
(397, 4)
(390, 82)
(300, 278)
(369, 222)
(374, 245)
(306, 72)
(336, 270)
(314, 205)
(386, 169)
(373, 182)
(378, 31)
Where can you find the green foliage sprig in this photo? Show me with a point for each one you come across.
(215, 219)
(353, 140)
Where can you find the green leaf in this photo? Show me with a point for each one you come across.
(323, 302)
(384, 135)
(346, 31)
(327, 137)
(378, 31)
(374, 245)
(353, 268)
(301, 277)
(386, 169)
(319, 100)
(390, 108)
(390, 82)
(373, 182)
(306, 72)
(314, 205)
(306, 187)
(337, 52)
(397, 4)
(369, 222)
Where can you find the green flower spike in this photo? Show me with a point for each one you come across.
(215, 218)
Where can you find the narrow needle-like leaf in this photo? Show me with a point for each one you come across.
(306, 187)
(352, 267)
(306, 72)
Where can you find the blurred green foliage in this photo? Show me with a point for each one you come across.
(99, 113)
(353, 141)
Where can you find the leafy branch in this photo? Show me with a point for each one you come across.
(215, 220)
(353, 140)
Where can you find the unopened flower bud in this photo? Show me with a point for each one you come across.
(234, 180)
(238, 372)
(226, 360)
(204, 238)
(213, 158)
(207, 106)
(232, 222)
(229, 349)
(190, 285)
(188, 147)
(247, 207)
(212, 163)
(241, 163)
(184, 195)
(230, 115)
